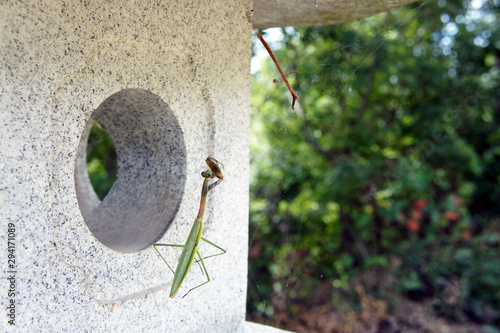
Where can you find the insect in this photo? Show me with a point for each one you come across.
(190, 248)
(283, 75)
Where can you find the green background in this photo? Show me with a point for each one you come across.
(385, 180)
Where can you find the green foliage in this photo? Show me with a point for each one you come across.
(463, 278)
(101, 160)
(394, 150)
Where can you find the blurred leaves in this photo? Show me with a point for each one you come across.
(396, 110)
(101, 161)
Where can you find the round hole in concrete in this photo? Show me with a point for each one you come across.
(150, 181)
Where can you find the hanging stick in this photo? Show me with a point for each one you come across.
(283, 75)
(276, 80)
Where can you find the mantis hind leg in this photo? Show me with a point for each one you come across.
(218, 247)
(175, 245)
(206, 273)
(203, 264)
(213, 255)
(202, 267)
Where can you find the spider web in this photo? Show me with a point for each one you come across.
(272, 151)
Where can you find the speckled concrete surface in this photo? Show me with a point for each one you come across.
(170, 81)
(306, 13)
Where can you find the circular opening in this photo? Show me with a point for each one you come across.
(151, 168)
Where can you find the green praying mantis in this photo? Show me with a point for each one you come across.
(190, 248)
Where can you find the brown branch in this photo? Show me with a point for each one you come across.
(349, 236)
(308, 132)
(277, 80)
(312, 140)
(341, 96)
(366, 96)
(294, 95)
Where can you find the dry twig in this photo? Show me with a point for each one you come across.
(283, 75)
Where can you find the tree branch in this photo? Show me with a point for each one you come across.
(310, 137)
(366, 96)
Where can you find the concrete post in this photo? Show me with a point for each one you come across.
(170, 82)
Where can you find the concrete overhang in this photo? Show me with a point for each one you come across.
(305, 13)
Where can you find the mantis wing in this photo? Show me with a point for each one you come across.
(187, 255)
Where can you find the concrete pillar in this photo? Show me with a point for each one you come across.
(170, 82)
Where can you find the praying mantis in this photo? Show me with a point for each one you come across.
(190, 248)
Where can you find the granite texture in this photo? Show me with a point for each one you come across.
(306, 13)
(170, 81)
